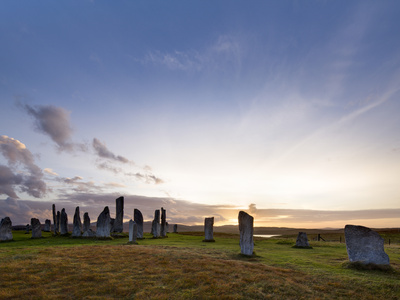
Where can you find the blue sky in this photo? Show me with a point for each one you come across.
(287, 109)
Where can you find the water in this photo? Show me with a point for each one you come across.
(265, 235)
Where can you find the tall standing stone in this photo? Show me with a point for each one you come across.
(246, 233)
(87, 231)
(119, 218)
(167, 226)
(77, 226)
(163, 231)
(175, 228)
(5, 229)
(58, 221)
(103, 225)
(365, 245)
(47, 225)
(155, 226)
(302, 240)
(54, 218)
(36, 228)
(133, 231)
(63, 222)
(209, 230)
(138, 218)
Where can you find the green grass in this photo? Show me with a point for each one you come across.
(182, 266)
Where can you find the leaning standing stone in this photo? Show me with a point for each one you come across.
(138, 218)
(103, 225)
(155, 228)
(302, 240)
(54, 219)
(365, 245)
(47, 225)
(118, 223)
(163, 231)
(246, 233)
(5, 229)
(132, 231)
(36, 228)
(63, 222)
(77, 229)
(209, 230)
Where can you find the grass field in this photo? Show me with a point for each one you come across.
(182, 266)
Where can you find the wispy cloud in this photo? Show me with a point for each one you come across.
(102, 151)
(29, 179)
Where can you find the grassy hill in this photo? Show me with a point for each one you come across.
(182, 266)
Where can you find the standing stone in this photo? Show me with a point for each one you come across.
(27, 228)
(209, 229)
(58, 221)
(133, 231)
(77, 229)
(176, 228)
(112, 222)
(36, 228)
(246, 233)
(365, 245)
(87, 232)
(103, 225)
(302, 240)
(138, 218)
(54, 219)
(155, 226)
(167, 226)
(119, 218)
(5, 229)
(163, 231)
(47, 225)
(63, 222)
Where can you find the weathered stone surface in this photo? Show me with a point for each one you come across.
(47, 225)
(246, 233)
(54, 218)
(176, 228)
(77, 225)
(58, 221)
(103, 225)
(155, 225)
(36, 228)
(138, 218)
(5, 229)
(87, 231)
(112, 221)
(133, 231)
(209, 229)
(163, 231)
(119, 217)
(365, 245)
(302, 240)
(63, 222)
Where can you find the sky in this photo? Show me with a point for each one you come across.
(288, 110)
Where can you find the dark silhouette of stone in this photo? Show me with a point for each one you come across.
(112, 221)
(365, 245)
(133, 231)
(302, 240)
(163, 231)
(103, 225)
(6, 229)
(118, 223)
(47, 225)
(155, 226)
(77, 225)
(138, 218)
(87, 231)
(63, 222)
(209, 230)
(167, 226)
(58, 221)
(36, 228)
(54, 218)
(27, 228)
(176, 228)
(246, 233)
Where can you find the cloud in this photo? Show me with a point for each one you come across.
(147, 178)
(103, 152)
(77, 185)
(29, 179)
(50, 172)
(54, 122)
